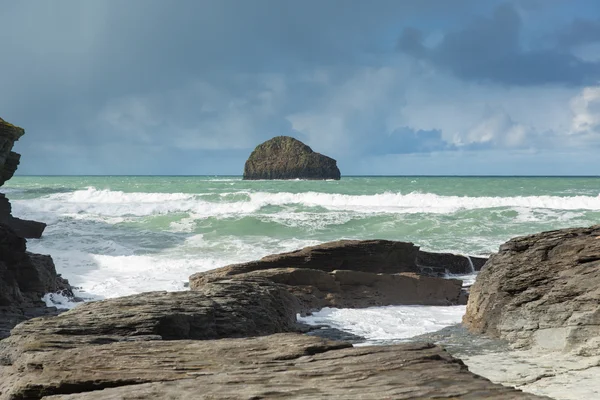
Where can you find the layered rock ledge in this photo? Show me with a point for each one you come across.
(353, 274)
(284, 157)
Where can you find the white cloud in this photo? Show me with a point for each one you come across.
(586, 112)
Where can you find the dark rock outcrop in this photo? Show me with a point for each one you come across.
(22, 227)
(138, 347)
(24, 278)
(542, 291)
(284, 157)
(347, 273)
(9, 161)
(440, 264)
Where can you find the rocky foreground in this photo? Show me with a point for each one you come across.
(221, 341)
(235, 336)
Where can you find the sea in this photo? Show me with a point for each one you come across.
(120, 235)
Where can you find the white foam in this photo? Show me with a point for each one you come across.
(92, 203)
(59, 301)
(388, 324)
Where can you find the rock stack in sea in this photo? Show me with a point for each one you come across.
(284, 157)
(24, 277)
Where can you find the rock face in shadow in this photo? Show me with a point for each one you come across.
(22, 227)
(284, 157)
(9, 161)
(24, 277)
(139, 347)
(542, 291)
(347, 273)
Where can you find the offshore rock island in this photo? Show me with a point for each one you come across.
(284, 157)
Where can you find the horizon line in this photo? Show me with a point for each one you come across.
(343, 176)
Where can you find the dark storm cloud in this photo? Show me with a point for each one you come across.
(580, 31)
(64, 62)
(151, 86)
(408, 141)
(490, 49)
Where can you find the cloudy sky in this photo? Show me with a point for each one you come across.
(385, 86)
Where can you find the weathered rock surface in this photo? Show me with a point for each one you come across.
(288, 366)
(170, 345)
(355, 289)
(542, 291)
(376, 256)
(346, 274)
(9, 160)
(277, 366)
(24, 278)
(284, 157)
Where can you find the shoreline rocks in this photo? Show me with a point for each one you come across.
(24, 277)
(542, 291)
(139, 346)
(9, 161)
(350, 274)
(284, 157)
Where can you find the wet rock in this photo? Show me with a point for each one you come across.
(284, 157)
(24, 279)
(440, 264)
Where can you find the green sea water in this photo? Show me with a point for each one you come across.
(117, 235)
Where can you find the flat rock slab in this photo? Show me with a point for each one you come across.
(374, 256)
(281, 366)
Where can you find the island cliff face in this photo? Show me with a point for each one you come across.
(284, 157)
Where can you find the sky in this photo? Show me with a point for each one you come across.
(386, 87)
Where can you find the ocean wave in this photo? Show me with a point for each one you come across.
(94, 202)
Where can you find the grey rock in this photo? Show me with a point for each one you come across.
(542, 291)
(280, 366)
